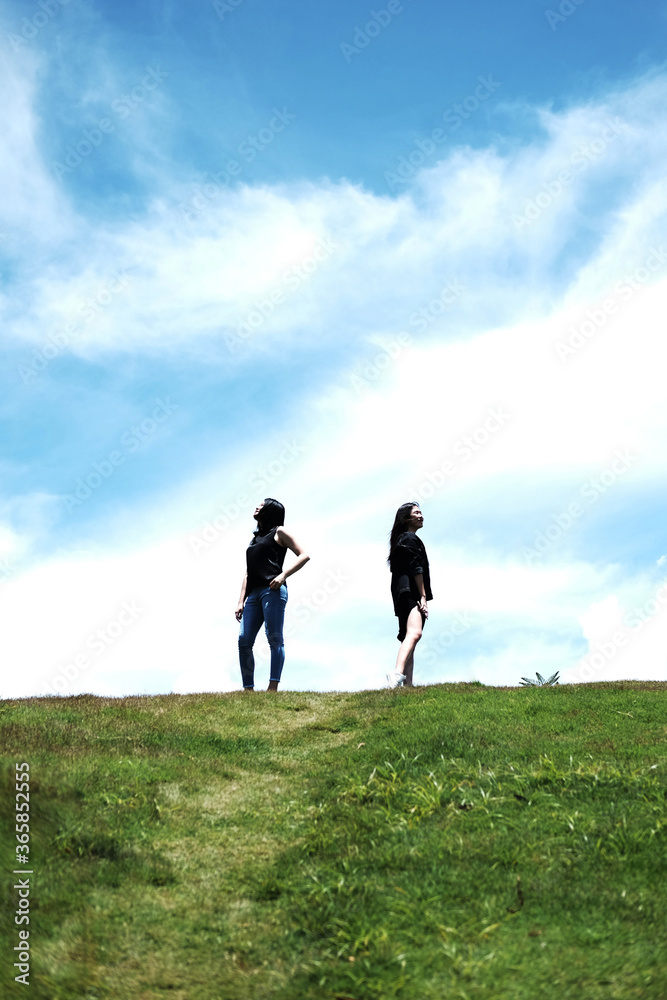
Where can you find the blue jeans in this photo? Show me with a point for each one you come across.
(268, 606)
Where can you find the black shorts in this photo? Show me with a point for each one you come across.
(406, 602)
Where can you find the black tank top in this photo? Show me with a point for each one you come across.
(264, 559)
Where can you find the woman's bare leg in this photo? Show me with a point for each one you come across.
(409, 665)
(406, 651)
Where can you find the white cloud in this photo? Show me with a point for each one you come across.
(201, 278)
(602, 618)
(31, 203)
(624, 642)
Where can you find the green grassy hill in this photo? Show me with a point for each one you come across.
(451, 841)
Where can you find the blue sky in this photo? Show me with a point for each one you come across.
(345, 255)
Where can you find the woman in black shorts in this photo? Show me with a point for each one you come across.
(410, 588)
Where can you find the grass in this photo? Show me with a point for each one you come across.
(453, 841)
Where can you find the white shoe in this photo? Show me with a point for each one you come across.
(395, 680)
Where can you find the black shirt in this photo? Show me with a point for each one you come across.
(408, 560)
(264, 559)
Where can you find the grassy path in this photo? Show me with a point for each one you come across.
(452, 841)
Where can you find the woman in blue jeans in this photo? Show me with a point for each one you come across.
(264, 592)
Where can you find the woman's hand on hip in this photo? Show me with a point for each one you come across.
(277, 583)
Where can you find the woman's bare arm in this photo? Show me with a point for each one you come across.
(239, 606)
(288, 541)
(419, 581)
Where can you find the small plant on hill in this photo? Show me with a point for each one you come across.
(540, 681)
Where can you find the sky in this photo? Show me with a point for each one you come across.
(346, 256)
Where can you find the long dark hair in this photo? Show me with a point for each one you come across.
(270, 516)
(401, 520)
